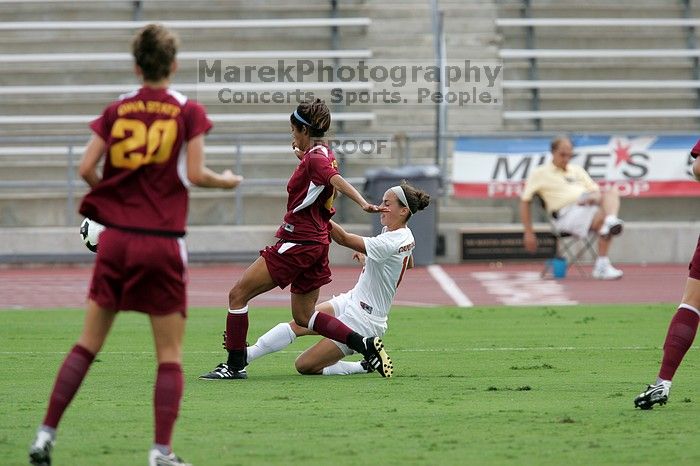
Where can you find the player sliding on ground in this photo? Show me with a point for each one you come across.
(365, 308)
(300, 257)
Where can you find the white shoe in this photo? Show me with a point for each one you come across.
(654, 394)
(40, 451)
(606, 272)
(156, 458)
(611, 226)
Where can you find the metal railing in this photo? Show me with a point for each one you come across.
(74, 146)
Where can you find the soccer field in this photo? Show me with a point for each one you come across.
(498, 386)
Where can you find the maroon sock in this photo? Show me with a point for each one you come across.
(236, 330)
(167, 394)
(68, 380)
(330, 327)
(679, 338)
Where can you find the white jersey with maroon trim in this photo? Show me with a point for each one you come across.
(387, 258)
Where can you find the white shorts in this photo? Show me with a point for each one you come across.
(576, 219)
(351, 314)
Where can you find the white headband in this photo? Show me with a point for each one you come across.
(398, 190)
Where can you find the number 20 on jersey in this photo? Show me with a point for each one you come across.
(158, 139)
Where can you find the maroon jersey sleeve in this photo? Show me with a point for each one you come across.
(321, 168)
(196, 120)
(695, 151)
(102, 125)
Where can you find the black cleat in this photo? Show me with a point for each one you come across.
(222, 372)
(654, 394)
(366, 366)
(377, 357)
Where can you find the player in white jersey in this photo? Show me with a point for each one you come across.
(365, 308)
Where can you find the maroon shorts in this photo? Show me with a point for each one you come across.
(694, 266)
(305, 266)
(138, 272)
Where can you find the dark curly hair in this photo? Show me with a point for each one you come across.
(317, 114)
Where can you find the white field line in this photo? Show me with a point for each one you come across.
(449, 286)
(522, 288)
(414, 350)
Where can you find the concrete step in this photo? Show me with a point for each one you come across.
(280, 167)
(658, 242)
(606, 125)
(260, 204)
(594, 9)
(604, 69)
(82, 130)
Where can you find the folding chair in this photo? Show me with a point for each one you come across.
(570, 247)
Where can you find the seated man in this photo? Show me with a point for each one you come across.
(574, 200)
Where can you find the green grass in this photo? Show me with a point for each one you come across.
(482, 386)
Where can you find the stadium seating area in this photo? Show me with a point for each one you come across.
(61, 65)
(627, 65)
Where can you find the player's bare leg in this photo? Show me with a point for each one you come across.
(255, 280)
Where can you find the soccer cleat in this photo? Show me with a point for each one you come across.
(654, 394)
(377, 357)
(366, 366)
(156, 458)
(222, 372)
(606, 272)
(40, 451)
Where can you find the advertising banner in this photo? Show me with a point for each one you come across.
(636, 166)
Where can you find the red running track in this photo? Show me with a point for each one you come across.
(478, 284)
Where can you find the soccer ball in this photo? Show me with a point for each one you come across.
(90, 233)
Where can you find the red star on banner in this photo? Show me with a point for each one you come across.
(622, 153)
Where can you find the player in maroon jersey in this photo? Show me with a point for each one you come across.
(300, 257)
(683, 327)
(153, 142)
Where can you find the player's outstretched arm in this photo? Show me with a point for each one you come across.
(88, 164)
(200, 175)
(349, 190)
(349, 240)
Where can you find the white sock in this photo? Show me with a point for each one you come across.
(49, 430)
(312, 320)
(344, 368)
(602, 261)
(659, 380)
(277, 338)
(164, 449)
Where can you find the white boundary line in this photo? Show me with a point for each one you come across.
(408, 350)
(449, 286)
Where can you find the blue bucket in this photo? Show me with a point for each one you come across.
(558, 266)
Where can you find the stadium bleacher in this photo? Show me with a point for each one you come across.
(626, 72)
(57, 74)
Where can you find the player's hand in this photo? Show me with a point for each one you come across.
(371, 208)
(359, 257)
(230, 179)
